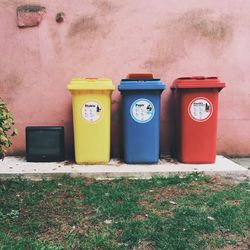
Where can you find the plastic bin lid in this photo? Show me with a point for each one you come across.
(199, 82)
(141, 81)
(91, 84)
(140, 76)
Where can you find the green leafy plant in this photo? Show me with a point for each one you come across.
(6, 129)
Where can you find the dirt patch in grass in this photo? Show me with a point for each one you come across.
(58, 213)
(140, 217)
(144, 245)
(164, 193)
(221, 180)
(162, 197)
(232, 240)
(145, 203)
(216, 183)
(237, 247)
(88, 181)
(197, 186)
(167, 192)
(49, 234)
(67, 222)
(234, 202)
(208, 186)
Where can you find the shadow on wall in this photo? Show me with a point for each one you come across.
(116, 129)
(69, 134)
(168, 126)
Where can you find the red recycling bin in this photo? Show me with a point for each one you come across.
(196, 103)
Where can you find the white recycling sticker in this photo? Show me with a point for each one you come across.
(142, 110)
(91, 111)
(200, 109)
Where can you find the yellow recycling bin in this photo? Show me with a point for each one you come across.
(91, 101)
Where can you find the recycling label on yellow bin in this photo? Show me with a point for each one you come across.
(142, 110)
(91, 111)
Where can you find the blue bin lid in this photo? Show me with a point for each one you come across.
(141, 84)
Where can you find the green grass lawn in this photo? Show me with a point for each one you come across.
(190, 212)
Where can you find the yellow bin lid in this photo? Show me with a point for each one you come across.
(91, 84)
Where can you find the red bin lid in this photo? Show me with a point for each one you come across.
(140, 76)
(200, 82)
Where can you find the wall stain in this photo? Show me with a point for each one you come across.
(180, 34)
(85, 25)
(11, 4)
(97, 24)
(9, 85)
(205, 23)
(56, 41)
(105, 7)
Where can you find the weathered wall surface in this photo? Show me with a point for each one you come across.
(110, 38)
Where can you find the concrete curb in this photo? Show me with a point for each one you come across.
(13, 167)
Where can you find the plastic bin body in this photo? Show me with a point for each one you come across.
(91, 101)
(141, 130)
(196, 103)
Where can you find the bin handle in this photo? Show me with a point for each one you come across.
(199, 77)
(91, 79)
(212, 77)
(141, 76)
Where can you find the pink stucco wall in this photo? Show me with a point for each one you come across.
(110, 38)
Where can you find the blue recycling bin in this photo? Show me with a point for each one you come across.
(141, 118)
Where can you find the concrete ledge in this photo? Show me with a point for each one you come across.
(17, 166)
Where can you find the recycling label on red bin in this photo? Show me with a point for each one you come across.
(200, 109)
(142, 110)
(91, 111)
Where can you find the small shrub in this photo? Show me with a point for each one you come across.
(6, 129)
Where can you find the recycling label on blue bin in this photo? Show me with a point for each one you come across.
(142, 110)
